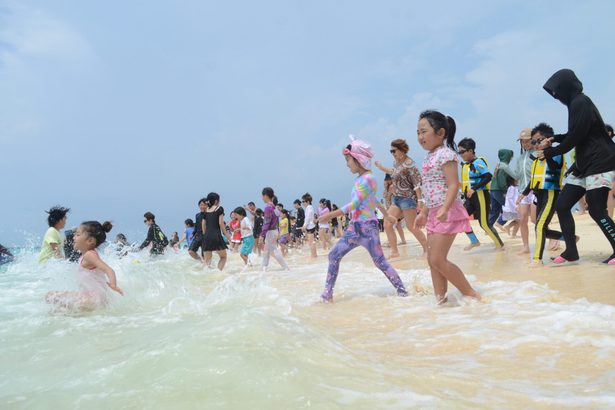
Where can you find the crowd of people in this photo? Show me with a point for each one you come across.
(434, 202)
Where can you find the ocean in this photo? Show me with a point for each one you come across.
(188, 337)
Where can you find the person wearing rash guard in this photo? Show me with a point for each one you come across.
(155, 236)
(499, 186)
(592, 172)
(521, 171)
(475, 179)
(269, 232)
(546, 182)
(363, 227)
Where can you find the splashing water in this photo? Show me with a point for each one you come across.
(184, 336)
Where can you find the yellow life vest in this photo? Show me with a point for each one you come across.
(543, 177)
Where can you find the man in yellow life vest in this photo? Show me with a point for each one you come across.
(475, 183)
(546, 182)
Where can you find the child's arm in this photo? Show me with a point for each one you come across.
(203, 226)
(92, 260)
(223, 227)
(56, 249)
(452, 182)
(330, 215)
(149, 238)
(385, 214)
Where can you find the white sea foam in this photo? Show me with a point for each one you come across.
(183, 336)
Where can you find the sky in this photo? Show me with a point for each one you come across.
(114, 108)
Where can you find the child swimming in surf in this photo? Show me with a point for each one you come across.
(442, 213)
(363, 227)
(93, 276)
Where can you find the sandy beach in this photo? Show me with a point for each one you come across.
(589, 279)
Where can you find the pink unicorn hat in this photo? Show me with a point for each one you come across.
(361, 151)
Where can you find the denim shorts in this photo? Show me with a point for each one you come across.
(404, 203)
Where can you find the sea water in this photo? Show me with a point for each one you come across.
(188, 337)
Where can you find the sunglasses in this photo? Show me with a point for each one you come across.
(535, 142)
(463, 151)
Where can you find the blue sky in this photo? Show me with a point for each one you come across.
(114, 108)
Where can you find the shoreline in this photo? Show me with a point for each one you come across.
(589, 279)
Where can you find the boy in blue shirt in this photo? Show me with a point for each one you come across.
(475, 182)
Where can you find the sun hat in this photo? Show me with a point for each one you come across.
(525, 134)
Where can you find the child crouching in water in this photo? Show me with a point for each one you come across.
(363, 228)
(442, 212)
(93, 276)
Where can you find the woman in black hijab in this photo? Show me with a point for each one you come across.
(592, 172)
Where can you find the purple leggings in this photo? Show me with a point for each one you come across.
(365, 234)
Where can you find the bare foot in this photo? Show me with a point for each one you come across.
(470, 246)
(554, 245)
(524, 251)
(403, 242)
(500, 227)
(441, 301)
(534, 264)
(393, 255)
(475, 295)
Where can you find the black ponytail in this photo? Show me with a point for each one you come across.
(450, 133)
(437, 120)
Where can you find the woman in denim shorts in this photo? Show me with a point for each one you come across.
(406, 194)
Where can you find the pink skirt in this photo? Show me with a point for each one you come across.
(457, 220)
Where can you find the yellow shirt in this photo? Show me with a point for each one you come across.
(51, 236)
(283, 226)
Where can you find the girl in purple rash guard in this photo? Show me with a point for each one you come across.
(269, 233)
(363, 227)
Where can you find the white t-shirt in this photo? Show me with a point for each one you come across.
(246, 227)
(309, 217)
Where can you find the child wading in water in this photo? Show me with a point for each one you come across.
(443, 213)
(93, 276)
(247, 235)
(269, 233)
(53, 241)
(363, 227)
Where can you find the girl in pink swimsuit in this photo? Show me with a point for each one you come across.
(93, 276)
(442, 211)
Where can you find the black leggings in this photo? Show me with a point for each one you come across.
(596, 202)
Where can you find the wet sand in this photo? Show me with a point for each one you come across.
(590, 279)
